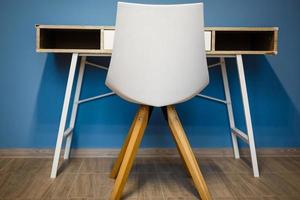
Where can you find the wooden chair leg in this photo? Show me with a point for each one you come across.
(130, 152)
(181, 156)
(165, 113)
(187, 153)
(118, 162)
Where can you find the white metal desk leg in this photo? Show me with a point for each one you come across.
(75, 107)
(64, 114)
(247, 114)
(229, 108)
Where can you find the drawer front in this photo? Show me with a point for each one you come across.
(109, 39)
(207, 38)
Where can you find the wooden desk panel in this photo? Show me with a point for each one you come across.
(99, 39)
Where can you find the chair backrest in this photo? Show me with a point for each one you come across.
(158, 55)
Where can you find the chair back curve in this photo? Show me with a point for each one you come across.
(158, 55)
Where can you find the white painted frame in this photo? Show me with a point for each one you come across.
(235, 132)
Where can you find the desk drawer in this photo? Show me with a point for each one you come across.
(207, 38)
(109, 39)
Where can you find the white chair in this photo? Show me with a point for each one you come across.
(159, 60)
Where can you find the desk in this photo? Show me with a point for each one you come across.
(220, 42)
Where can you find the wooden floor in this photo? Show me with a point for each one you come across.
(151, 178)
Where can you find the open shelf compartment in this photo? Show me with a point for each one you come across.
(245, 40)
(88, 39)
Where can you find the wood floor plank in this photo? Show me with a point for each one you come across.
(279, 165)
(15, 185)
(83, 186)
(131, 190)
(65, 166)
(103, 185)
(60, 187)
(37, 187)
(70, 166)
(289, 164)
(181, 198)
(177, 186)
(279, 186)
(207, 165)
(4, 162)
(145, 165)
(237, 185)
(149, 187)
(96, 165)
(230, 165)
(217, 186)
(169, 165)
(292, 178)
(14, 165)
(24, 165)
(257, 186)
(3, 178)
(28, 179)
(271, 165)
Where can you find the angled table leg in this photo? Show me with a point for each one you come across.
(187, 153)
(247, 114)
(130, 153)
(229, 108)
(64, 114)
(75, 107)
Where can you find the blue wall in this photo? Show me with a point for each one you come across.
(32, 84)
